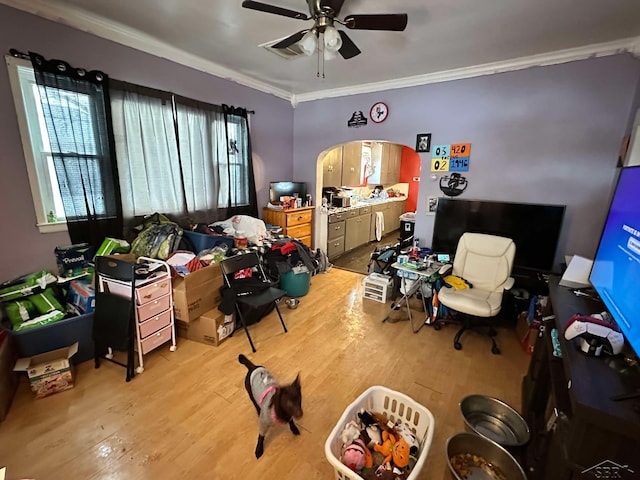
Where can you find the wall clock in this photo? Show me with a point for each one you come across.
(379, 112)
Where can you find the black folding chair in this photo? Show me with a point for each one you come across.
(259, 294)
(114, 315)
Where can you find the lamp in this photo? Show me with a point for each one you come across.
(332, 39)
(308, 43)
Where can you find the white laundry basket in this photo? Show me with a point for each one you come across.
(397, 407)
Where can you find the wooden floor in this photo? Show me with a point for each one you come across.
(357, 260)
(188, 416)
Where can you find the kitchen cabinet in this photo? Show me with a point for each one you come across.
(391, 159)
(295, 222)
(358, 226)
(332, 168)
(335, 235)
(391, 211)
(352, 164)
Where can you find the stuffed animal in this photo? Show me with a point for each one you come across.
(409, 437)
(355, 456)
(374, 435)
(350, 432)
(394, 449)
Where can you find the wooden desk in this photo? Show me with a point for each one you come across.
(591, 427)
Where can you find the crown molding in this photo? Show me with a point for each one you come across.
(96, 25)
(631, 45)
(116, 32)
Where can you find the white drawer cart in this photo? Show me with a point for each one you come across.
(154, 317)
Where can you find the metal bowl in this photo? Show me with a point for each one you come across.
(495, 420)
(495, 463)
(292, 303)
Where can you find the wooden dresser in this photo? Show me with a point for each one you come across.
(295, 222)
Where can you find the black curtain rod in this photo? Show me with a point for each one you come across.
(17, 53)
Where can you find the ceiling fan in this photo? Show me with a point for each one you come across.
(325, 13)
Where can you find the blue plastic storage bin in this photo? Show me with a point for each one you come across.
(203, 241)
(295, 284)
(57, 335)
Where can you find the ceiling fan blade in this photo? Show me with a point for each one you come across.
(335, 5)
(290, 40)
(348, 49)
(392, 21)
(264, 7)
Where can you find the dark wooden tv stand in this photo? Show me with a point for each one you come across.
(592, 436)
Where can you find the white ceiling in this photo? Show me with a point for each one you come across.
(444, 39)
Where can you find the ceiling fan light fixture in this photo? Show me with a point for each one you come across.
(332, 39)
(308, 43)
(329, 54)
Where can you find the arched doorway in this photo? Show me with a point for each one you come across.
(356, 169)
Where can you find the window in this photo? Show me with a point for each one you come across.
(37, 151)
(177, 155)
(207, 168)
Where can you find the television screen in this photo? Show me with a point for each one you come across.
(286, 189)
(616, 268)
(535, 229)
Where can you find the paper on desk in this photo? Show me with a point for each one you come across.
(577, 273)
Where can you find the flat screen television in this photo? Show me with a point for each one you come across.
(286, 189)
(615, 274)
(534, 228)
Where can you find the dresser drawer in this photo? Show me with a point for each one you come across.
(155, 340)
(335, 247)
(337, 217)
(297, 218)
(299, 231)
(154, 307)
(336, 230)
(153, 290)
(154, 324)
(306, 240)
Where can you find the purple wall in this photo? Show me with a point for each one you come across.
(542, 135)
(22, 247)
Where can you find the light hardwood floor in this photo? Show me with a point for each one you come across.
(188, 416)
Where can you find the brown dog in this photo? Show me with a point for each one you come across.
(274, 403)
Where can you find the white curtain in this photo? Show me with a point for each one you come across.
(199, 133)
(187, 159)
(147, 152)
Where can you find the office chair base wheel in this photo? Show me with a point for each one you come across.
(139, 369)
(495, 350)
(172, 348)
(437, 326)
(457, 345)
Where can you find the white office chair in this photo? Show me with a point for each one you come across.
(485, 261)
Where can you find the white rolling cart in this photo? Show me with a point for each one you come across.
(154, 317)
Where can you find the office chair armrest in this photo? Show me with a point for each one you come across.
(509, 283)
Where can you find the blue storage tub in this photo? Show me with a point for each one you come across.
(203, 241)
(57, 335)
(295, 284)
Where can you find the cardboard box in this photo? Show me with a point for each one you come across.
(197, 293)
(212, 328)
(81, 297)
(74, 260)
(526, 333)
(49, 372)
(8, 378)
